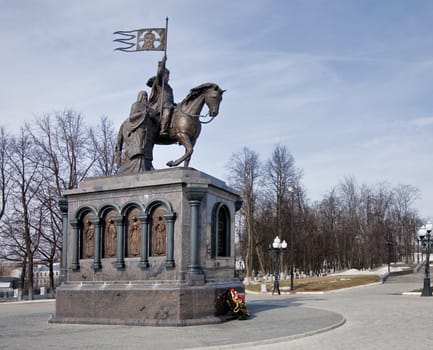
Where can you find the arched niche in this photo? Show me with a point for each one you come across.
(132, 229)
(220, 231)
(160, 230)
(85, 243)
(108, 215)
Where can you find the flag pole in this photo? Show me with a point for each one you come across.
(166, 36)
(165, 59)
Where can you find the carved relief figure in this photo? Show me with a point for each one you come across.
(159, 232)
(134, 229)
(110, 237)
(88, 239)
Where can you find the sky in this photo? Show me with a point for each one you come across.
(345, 85)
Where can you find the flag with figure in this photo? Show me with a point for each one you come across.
(149, 39)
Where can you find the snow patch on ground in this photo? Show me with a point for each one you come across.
(380, 271)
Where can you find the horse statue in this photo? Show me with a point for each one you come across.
(185, 124)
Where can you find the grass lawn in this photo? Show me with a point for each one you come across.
(318, 284)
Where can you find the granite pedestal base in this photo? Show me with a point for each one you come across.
(141, 304)
(120, 267)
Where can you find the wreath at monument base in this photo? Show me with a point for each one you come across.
(231, 302)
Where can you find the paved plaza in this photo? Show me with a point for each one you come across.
(378, 316)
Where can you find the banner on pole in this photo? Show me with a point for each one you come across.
(148, 39)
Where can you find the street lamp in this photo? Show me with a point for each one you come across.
(292, 216)
(388, 243)
(277, 247)
(424, 235)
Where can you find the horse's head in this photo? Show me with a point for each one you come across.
(213, 97)
(207, 93)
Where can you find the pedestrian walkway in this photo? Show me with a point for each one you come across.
(25, 326)
(370, 317)
(377, 317)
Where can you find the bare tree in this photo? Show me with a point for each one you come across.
(65, 141)
(373, 241)
(245, 171)
(352, 226)
(103, 139)
(14, 247)
(4, 171)
(328, 218)
(367, 225)
(405, 220)
(348, 192)
(25, 164)
(281, 174)
(64, 144)
(74, 148)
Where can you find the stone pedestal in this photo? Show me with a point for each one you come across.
(154, 248)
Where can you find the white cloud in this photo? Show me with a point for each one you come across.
(422, 122)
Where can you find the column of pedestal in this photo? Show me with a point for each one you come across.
(144, 260)
(75, 265)
(170, 217)
(63, 205)
(97, 241)
(195, 196)
(120, 251)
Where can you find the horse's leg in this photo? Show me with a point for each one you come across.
(185, 142)
(187, 160)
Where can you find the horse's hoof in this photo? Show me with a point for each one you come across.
(170, 163)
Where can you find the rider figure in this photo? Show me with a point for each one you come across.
(161, 96)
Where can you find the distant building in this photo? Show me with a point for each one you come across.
(8, 287)
(41, 277)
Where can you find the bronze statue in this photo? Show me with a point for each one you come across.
(135, 140)
(185, 125)
(161, 96)
(178, 123)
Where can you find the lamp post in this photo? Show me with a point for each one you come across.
(277, 247)
(424, 235)
(388, 243)
(292, 216)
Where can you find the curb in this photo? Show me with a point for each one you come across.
(313, 292)
(276, 340)
(28, 301)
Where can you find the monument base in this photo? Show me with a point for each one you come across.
(153, 248)
(141, 303)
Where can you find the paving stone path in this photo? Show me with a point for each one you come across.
(377, 317)
(371, 317)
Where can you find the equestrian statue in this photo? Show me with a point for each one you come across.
(157, 119)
